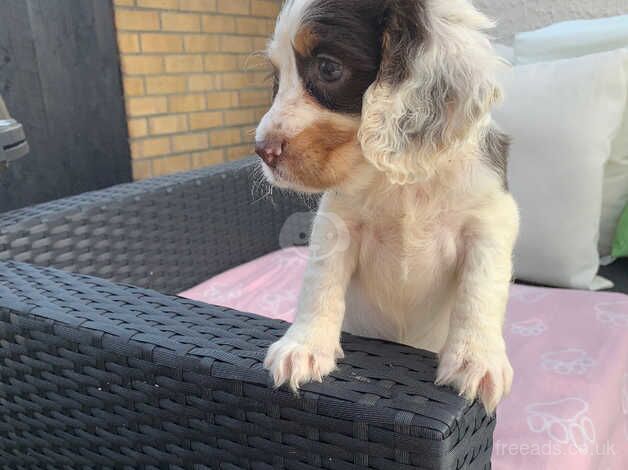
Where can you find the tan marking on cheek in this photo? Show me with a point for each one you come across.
(323, 155)
(305, 41)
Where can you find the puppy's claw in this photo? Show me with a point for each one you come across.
(295, 363)
(487, 375)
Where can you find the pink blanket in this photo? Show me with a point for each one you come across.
(569, 404)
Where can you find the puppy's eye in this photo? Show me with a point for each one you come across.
(329, 70)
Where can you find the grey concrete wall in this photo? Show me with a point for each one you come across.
(523, 15)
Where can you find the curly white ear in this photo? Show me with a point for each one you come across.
(434, 90)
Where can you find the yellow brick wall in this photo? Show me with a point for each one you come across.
(194, 89)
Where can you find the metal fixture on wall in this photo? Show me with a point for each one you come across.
(13, 144)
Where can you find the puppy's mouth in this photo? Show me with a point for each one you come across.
(274, 175)
(319, 158)
(279, 175)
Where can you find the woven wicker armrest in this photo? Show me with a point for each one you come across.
(166, 233)
(95, 374)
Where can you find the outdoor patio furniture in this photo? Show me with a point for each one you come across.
(103, 367)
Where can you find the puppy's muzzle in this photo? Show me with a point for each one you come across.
(270, 151)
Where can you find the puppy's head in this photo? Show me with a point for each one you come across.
(396, 83)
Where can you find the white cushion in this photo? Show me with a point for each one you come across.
(575, 39)
(505, 52)
(562, 117)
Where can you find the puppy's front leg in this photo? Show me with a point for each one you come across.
(309, 349)
(473, 359)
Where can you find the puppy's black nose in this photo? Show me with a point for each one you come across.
(270, 151)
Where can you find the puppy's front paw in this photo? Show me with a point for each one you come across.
(298, 362)
(476, 373)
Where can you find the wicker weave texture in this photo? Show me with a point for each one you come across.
(167, 234)
(101, 375)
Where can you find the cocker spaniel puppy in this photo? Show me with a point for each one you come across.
(384, 106)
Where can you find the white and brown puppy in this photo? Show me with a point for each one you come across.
(384, 106)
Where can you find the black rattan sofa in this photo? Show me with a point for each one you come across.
(103, 367)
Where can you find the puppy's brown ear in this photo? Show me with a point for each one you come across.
(434, 89)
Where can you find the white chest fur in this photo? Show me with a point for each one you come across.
(408, 241)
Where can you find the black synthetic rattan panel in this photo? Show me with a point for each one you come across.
(167, 234)
(101, 375)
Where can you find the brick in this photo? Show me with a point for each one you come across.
(224, 137)
(205, 120)
(165, 84)
(136, 20)
(135, 150)
(259, 112)
(237, 81)
(218, 24)
(187, 142)
(128, 43)
(239, 151)
(161, 43)
(188, 22)
(197, 5)
(133, 86)
(172, 124)
(150, 147)
(124, 3)
(265, 8)
(137, 128)
(186, 103)
(210, 157)
(234, 7)
(255, 61)
(184, 63)
(249, 79)
(260, 78)
(220, 63)
(144, 106)
(159, 4)
(221, 100)
(253, 26)
(201, 43)
(255, 97)
(236, 44)
(271, 23)
(239, 116)
(169, 165)
(142, 169)
(202, 82)
(260, 43)
(141, 65)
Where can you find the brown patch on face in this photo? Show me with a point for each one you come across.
(323, 155)
(305, 41)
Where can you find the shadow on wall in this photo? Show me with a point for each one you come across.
(514, 16)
